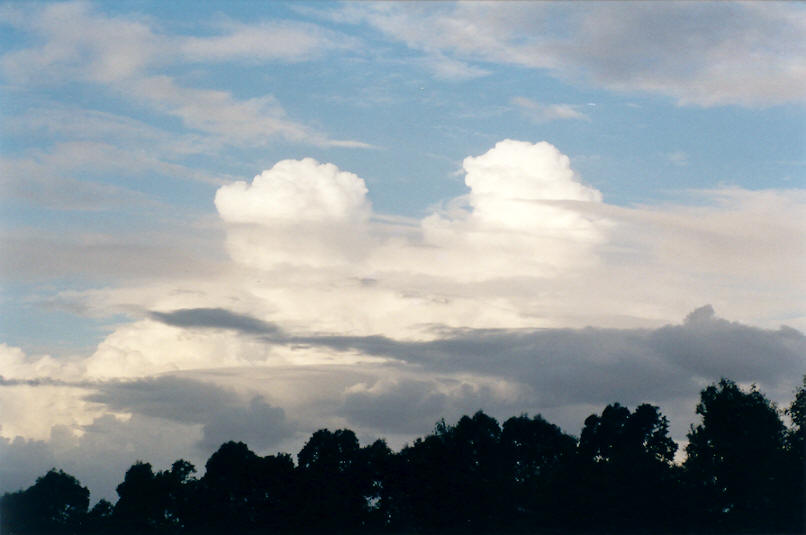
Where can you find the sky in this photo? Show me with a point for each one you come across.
(249, 220)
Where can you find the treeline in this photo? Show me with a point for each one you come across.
(743, 472)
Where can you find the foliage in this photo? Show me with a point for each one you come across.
(736, 459)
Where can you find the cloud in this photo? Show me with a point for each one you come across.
(37, 181)
(299, 212)
(23, 461)
(446, 68)
(528, 245)
(678, 158)
(263, 42)
(697, 54)
(565, 374)
(259, 425)
(542, 113)
(79, 43)
(297, 191)
(214, 318)
(34, 255)
(166, 397)
(75, 42)
(411, 403)
(223, 414)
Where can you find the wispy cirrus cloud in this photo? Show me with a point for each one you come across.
(542, 113)
(125, 55)
(698, 54)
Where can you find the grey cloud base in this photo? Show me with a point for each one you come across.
(546, 368)
(565, 374)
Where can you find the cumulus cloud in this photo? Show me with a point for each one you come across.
(296, 213)
(528, 245)
(148, 347)
(296, 191)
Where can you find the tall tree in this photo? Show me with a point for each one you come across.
(333, 492)
(535, 455)
(454, 478)
(140, 506)
(627, 458)
(232, 495)
(736, 459)
(796, 450)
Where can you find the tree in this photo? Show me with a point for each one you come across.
(374, 473)
(230, 493)
(454, 477)
(99, 519)
(176, 487)
(736, 459)
(140, 505)
(56, 503)
(331, 482)
(627, 458)
(796, 453)
(535, 455)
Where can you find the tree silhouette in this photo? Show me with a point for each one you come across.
(455, 477)
(374, 474)
(627, 458)
(56, 503)
(140, 505)
(796, 454)
(332, 488)
(736, 459)
(535, 455)
(232, 494)
(99, 519)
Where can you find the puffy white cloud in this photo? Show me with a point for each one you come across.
(34, 410)
(512, 173)
(514, 225)
(296, 213)
(295, 191)
(148, 347)
(529, 245)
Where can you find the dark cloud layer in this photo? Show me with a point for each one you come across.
(223, 414)
(600, 365)
(591, 365)
(214, 318)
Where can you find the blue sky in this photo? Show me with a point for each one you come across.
(413, 173)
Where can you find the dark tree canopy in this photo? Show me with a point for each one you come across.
(626, 460)
(736, 457)
(56, 503)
